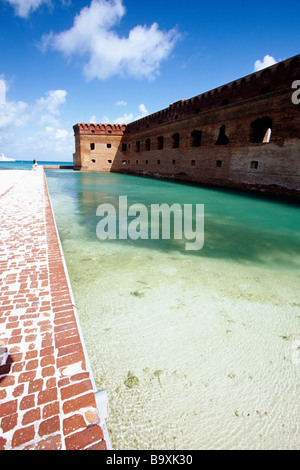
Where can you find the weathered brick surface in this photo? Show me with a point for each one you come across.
(46, 394)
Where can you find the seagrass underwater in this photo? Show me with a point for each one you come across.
(141, 222)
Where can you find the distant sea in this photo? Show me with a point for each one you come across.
(27, 165)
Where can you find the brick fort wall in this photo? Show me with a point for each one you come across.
(245, 134)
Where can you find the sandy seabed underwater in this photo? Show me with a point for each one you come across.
(196, 350)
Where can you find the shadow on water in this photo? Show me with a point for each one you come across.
(243, 227)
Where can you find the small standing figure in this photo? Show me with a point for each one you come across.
(34, 164)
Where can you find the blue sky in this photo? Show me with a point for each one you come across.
(66, 61)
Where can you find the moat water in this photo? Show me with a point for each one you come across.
(197, 350)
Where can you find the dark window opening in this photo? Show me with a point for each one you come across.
(158, 162)
(124, 162)
(173, 162)
(224, 102)
(124, 147)
(136, 162)
(148, 145)
(193, 162)
(219, 163)
(222, 138)
(196, 137)
(92, 146)
(254, 165)
(160, 143)
(261, 130)
(265, 90)
(175, 141)
(109, 161)
(108, 146)
(93, 160)
(146, 162)
(138, 146)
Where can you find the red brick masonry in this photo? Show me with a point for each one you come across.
(46, 389)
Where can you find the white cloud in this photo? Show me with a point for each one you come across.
(128, 117)
(58, 134)
(125, 119)
(121, 103)
(48, 107)
(103, 52)
(50, 143)
(11, 113)
(3, 88)
(143, 112)
(26, 128)
(52, 101)
(106, 120)
(267, 62)
(19, 114)
(24, 7)
(93, 119)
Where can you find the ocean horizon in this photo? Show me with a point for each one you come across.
(27, 164)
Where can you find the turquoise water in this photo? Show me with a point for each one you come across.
(196, 349)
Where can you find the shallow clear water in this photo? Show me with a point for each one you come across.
(197, 350)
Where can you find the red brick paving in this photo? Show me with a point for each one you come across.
(46, 394)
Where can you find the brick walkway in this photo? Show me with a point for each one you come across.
(47, 396)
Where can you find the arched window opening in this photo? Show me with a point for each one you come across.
(148, 144)
(196, 137)
(261, 130)
(160, 143)
(222, 138)
(175, 140)
(266, 89)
